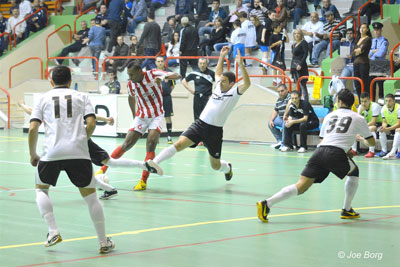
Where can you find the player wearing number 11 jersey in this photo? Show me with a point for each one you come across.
(338, 133)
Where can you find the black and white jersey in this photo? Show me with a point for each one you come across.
(341, 127)
(63, 112)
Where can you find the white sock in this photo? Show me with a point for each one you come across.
(97, 215)
(165, 154)
(224, 167)
(354, 146)
(46, 210)
(383, 141)
(396, 142)
(350, 187)
(285, 193)
(103, 185)
(372, 148)
(124, 162)
(265, 60)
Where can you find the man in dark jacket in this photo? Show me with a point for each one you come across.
(114, 20)
(151, 40)
(121, 49)
(189, 45)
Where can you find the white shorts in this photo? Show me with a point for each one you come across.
(142, 124)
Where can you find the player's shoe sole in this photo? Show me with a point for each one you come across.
(351, 214)
(153, 167)
(262, 210)
(53, 241)
(140, 186)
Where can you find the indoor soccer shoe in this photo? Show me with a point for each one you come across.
(109, 194)
(351, 214)
(153, 167)
(370, 154)
(228, 175)
(140, 186)
(169, 140)
(389, 156)
(107, 247)
(380, 154)
(262, 210)
(398, 155)
(53, 240)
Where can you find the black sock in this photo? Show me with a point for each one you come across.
(169, 128)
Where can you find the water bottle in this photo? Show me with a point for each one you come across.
(76, 86)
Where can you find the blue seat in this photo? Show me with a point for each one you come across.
(321, 112)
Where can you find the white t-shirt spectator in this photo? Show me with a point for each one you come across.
(25, 8)
(314, 28)
(238, 36)
(12, 21)
(251, 35)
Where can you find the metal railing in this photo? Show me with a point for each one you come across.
(80, 15)
(22, 62)
(330, 77)
(58, 4)
(26, 18)
(8, 106)
(197, 57)
(391, 59)
(48, 36)
(334, 28)
(284, 77)
(9, 38)
(359, 11)
(371, 89)
(125, 57)
(50, 58)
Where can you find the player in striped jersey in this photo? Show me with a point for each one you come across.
(144, 91)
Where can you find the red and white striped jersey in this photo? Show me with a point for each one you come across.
(148, 94)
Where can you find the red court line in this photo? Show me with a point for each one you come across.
(210, 242)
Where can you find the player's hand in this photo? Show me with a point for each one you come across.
(349, 154)
(271, 124)
(289, 123)
(35, 160)
(225, 50)
(359, 138)
(110, 121)
(298, 68)
(239, 59)
(20, 103)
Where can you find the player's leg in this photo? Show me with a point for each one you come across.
(168, 121)
(383, 141)
(167, 153)
(222, 166)
(350, 188)
(396, 143)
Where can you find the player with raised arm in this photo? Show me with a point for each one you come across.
(338, 133)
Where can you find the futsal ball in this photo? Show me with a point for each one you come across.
(104, 178)
(104, 89)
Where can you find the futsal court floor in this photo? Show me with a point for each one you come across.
(192, 217)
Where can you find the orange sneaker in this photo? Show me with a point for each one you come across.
(353, 152)
(370, 154)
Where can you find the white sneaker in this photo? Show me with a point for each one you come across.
(277, 145)
(285, 149)
(389, 156)
(107, 246)
(301, 150)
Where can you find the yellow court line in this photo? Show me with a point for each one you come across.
(194, 224)
(11, 141)
(12, 137)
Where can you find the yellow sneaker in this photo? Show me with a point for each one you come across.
(140, 186)
(98, 172)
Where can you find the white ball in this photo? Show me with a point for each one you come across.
(104, 89)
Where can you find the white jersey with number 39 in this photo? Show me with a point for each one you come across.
(63, 112)
(341, 127)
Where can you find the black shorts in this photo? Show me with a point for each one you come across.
(326, 159)
(167, 103)
(97, 154)
(210, 135)
(79, 171)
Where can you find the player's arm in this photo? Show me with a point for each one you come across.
(90, 124)
(243, 87)
(173, 76)
(394, 127)
(132, 105)
(304, 119)
(272, 118)
(285, 115)
(372, 122)
(186, 85)
(220, 66)
(108, 120)
(27, 109)
(32, 141)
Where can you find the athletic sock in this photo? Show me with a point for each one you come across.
(285, 193)
(264, 59)
(372, 148)
(396, 142)
(145, 174)
(124, 162)
(46, 210)
(165, 154)
(169, 129)
(383, 141)
(354, 146)
(103, 185)
(97, 215)
(350, 188)
(116, 154)
(224, 167)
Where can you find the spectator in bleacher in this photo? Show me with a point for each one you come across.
(198, 10)
(370, 9)
(238, 39)
(327, 6)
(390, 126)
(121, 49)
(218, 36)
(37, 21)
(88, 4)
(13, 5)
(277, 45)
(310, 30)
(43, 4)
(371, 111)
(251, 35)
(169, 29)
(297, 10)
(139, 14)
(276, 119)
(81, 40)
(339, 32)
(301, 117)
(361, 60)
(25, 8)
(348, 70)
(103, 17)
(182, 7)
(173, 50)
(114, 20)
(134, 50)
(155, 4)
(97, 36)
(298, 67)
(281, 13)
(234, 15)
(113, 83)
(189, 45)
(3, 39)
(20, 29)
(151, 41)
(265, 35)
(215, 13)
(259, 10)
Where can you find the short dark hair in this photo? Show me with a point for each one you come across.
(364, 95)
(350, 30)
(389, 96)
(242, 14)
(275, 25)
(282, 85)
(216, 1)
(151, 15)
(61, 75)
(134, 66)
(97, 20)
(346, 96)
(237, 23)
(295, 93)
(230, 75)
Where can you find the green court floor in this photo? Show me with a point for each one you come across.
(192, 217)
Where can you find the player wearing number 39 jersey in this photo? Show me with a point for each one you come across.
(338, 133)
